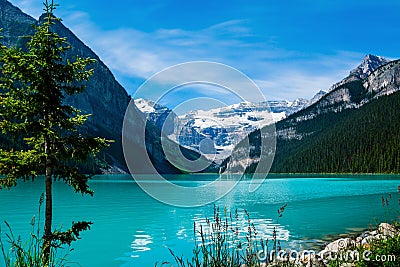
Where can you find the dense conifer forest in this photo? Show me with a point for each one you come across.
(365, 140)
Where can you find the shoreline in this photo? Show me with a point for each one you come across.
(347, 249)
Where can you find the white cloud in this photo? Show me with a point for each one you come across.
(305, 75)
(294, 85)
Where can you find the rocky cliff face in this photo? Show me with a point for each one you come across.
(352, 92)
(385, 80)
(162, 117)
(14, 23)
(368, 65)
(170, 124)
(316, 98)
(104, 97)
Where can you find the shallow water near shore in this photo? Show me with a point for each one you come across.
(132, 229)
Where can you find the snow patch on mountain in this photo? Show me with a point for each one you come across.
(217, 131)
(145, 106)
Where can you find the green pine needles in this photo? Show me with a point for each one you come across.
(45, 135)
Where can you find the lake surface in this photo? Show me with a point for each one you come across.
(132, 229)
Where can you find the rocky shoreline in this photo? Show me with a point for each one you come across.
(346, 245)
(383, 231)
(346, 249)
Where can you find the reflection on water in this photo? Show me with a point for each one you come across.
(240, 224)
(233, 223)
(140, 243)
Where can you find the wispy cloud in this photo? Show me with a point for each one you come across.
(135, 55)
(280, 73)
(302, 76)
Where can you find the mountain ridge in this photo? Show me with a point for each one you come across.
(368, 64)
(348, 93)
(295, 134)
(223, 127)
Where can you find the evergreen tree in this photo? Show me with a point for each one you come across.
(46, 135)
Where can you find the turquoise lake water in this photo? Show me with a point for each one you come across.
(132, 229)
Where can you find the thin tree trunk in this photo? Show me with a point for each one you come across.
(49, 210)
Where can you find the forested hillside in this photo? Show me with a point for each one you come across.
(353, 128)
(365, 140)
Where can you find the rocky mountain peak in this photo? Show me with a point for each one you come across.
(317, 97)
(368, 65)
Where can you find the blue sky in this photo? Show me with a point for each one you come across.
(289, 48)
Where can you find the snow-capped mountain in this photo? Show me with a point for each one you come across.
(168, 122)
(161, 116)
(287, 107)
(368, 65)
(215, 132)
(227, 126)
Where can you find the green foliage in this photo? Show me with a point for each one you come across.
(383, 250)
(33, 85)
(47, 137)
(61, 238)
(358, 141)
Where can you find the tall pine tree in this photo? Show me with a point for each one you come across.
(45, 135)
